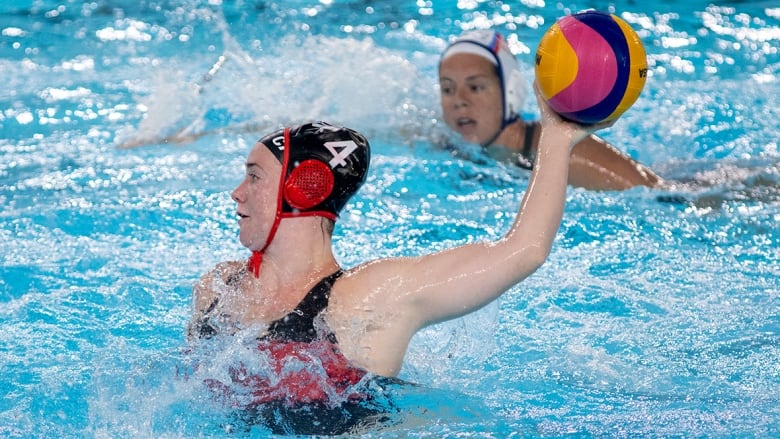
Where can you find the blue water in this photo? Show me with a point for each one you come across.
(657, 313)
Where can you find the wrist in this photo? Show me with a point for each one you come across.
(558, 138)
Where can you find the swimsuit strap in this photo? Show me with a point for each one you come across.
(298, 325)
(527, 160)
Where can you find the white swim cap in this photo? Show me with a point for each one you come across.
(491, 45)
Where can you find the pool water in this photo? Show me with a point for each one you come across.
(657, 313)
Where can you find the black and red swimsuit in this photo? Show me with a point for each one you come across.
(309, 387)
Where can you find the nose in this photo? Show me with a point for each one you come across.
(238, 194)
(460, 98)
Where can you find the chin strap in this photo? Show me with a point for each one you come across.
(504, 124)
(256, 260)
(257, 256)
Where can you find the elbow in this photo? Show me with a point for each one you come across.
(529, 255)
(537, 257)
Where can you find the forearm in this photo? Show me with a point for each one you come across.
(542, 207)
(454, 282)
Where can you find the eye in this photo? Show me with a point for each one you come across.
(446, 87)
(252, 176)
(254, 173)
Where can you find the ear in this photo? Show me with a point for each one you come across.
(309, 184)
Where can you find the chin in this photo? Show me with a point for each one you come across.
(472, 138)
(469, 136)
(246, 242)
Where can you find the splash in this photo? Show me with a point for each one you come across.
(293, 81)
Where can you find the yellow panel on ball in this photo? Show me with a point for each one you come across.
(556, 63)
(591, 67)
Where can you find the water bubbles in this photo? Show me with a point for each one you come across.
(656, 313)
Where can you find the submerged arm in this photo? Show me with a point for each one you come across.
(597, 165)
(206, 291)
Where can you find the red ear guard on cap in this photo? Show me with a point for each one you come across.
(308, 184)
(322, 167)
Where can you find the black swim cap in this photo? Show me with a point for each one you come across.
(324, 165)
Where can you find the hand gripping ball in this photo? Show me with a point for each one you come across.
(591, 67)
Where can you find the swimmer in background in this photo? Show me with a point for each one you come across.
(482, 91)
(294, 299)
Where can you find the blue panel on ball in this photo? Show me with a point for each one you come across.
(613, 34)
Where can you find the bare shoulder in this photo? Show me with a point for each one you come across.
(376, 281)
(369, 314)
(206, 289)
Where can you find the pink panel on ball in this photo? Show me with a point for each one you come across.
(596, 73)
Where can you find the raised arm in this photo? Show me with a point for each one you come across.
(454, 282)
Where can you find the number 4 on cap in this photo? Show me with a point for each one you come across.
(340, 150)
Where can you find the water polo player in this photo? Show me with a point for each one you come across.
(296, 304)
(482, 94)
